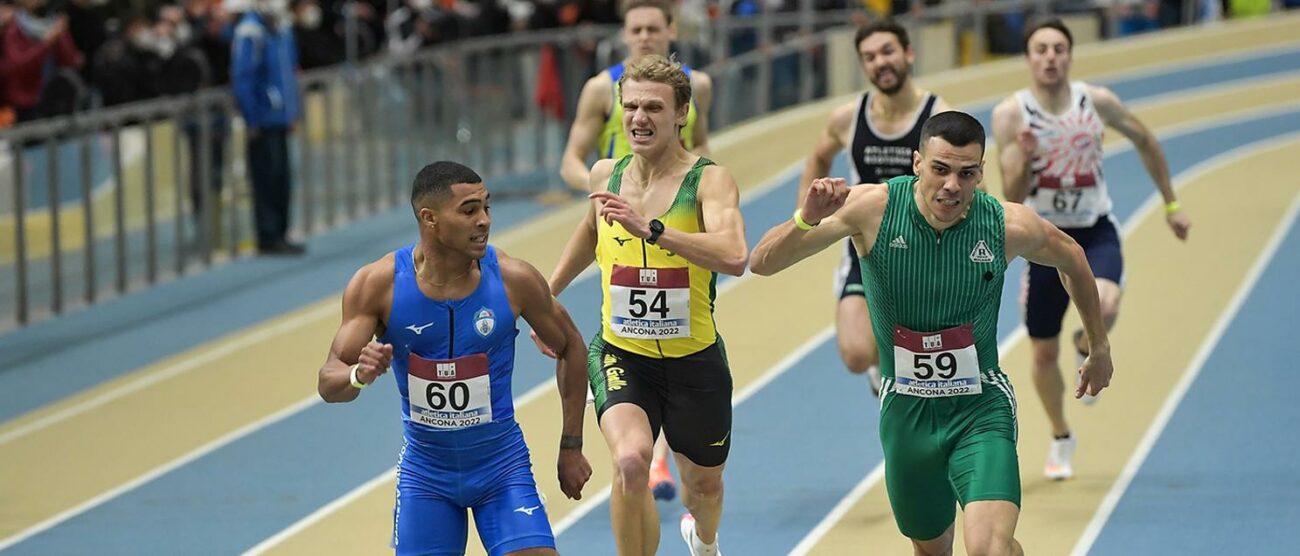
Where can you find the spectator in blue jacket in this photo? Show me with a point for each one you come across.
(263, 62)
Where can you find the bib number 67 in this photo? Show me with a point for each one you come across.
(944, 363)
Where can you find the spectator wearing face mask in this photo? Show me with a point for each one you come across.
(263, 61)
(34, 45)
(417, 24)
(317, 45)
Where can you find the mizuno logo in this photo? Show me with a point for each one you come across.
(722, 442)
(418, 329)
(528, 511)
(622, 240)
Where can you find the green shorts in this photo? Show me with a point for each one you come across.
(941, 451)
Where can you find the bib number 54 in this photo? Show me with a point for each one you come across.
(639, 308)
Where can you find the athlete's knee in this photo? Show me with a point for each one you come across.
(632, 467)
(920, 549)
(705, 487)
(990, 543)
(1046, 355)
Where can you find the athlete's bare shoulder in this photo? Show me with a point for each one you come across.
(370, 289)
(841, 119)
(524, 283)
(597, 93)
(600, 173)
(1008, 110)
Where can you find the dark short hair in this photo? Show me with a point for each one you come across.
(957, 128)
(664, 6)
(433, 183)
(882, 26)
(1049, 23)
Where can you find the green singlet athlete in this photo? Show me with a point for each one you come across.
(936, 252)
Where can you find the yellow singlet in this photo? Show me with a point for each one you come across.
(656, 303)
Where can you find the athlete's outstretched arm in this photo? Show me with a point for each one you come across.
(1117, 116)
(1016, 146)
(1037, 240)
(553, 326)
(702, 96)
(829, 144)
(580, 251)
(587, 124)
(354, 344)
(833, 209)
(720, 247)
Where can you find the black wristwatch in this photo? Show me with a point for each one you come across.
(656, 229)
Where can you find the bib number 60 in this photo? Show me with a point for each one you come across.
(457, 395)
(945, 363)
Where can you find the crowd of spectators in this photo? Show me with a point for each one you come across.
(57, 53)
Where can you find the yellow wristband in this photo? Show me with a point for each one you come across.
(800, 223)
(1172, 207)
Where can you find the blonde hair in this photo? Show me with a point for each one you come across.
(658, 69)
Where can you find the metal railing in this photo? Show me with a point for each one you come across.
(98, 203)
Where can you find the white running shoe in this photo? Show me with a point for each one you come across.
(688, 535)
(1060, 457)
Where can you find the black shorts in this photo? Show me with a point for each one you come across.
(689, 397)
(1046, 299)
(848, 278)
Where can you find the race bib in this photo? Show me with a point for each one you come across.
(650, 303)
(936, 364)
(1069, 200)
(449, 393)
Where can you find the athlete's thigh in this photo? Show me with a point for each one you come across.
(618, 377)
(916, 467)
(697, 412)
(1105, 254)
(984, 465)
(1045, 301)
(428, 525)
(513, 518)
(848, 275)
(853, 326)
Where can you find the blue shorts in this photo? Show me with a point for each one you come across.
(1046, 300)
(486, 469)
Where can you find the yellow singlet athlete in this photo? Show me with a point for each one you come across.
(663, 222)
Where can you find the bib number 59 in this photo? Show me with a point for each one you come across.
(945, 363)
(439, 396)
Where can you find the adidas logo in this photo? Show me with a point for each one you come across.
(898, 243)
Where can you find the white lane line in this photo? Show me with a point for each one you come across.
(1179, 391)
